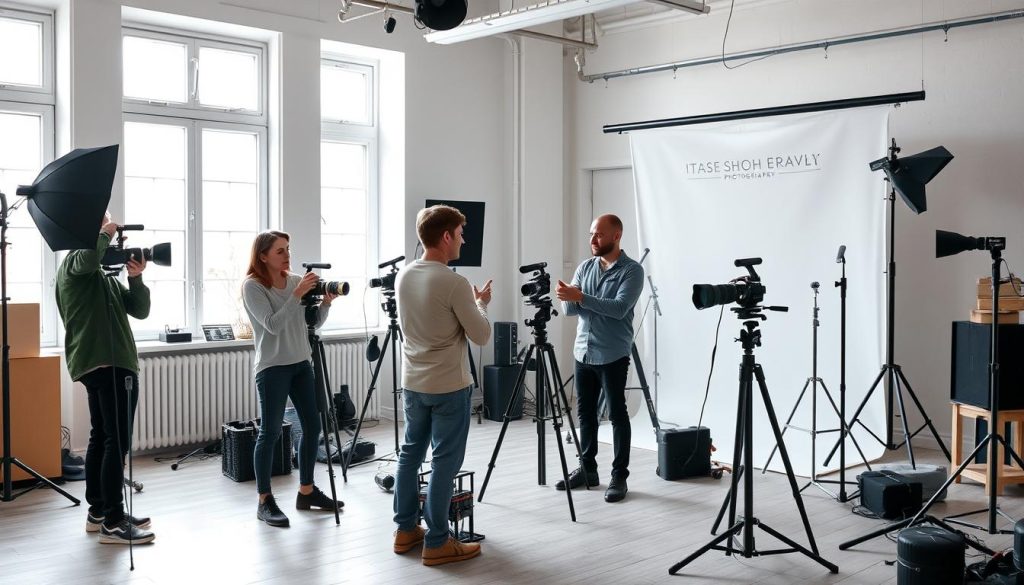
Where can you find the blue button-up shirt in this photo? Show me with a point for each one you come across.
(604, 333)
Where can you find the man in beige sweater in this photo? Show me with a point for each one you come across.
(437, 311)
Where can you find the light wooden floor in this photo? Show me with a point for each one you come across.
(207, 531)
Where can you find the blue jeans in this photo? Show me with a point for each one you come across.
(441, 420)
(275, 386)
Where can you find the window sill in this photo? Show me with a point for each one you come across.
(154, 347)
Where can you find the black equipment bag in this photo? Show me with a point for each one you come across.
(239, 442)
(889, 495)
(684, 453)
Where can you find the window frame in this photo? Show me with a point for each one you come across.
(366, 135)
(192, 256)
(192, 109)
(43, 94)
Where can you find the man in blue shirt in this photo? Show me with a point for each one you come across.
(603, 292)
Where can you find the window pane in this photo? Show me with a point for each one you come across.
(343, 93)
(342, 165)
(21, 52)
(155, 70)
(231, 219)
(229, 79)
(343, 211)
(156, 177)
(20, 161)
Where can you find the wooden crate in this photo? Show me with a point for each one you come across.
(986, 317)
(1006, 304)
(1005, 289)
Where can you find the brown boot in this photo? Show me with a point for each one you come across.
(406, 540)
(452, 551)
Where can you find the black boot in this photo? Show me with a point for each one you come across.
(316, 499)
(268, 512)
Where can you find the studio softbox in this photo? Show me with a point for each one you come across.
(69, 197)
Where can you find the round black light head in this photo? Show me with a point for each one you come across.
(389, 24)
(441, 14)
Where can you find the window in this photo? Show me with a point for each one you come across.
(26, 145)
(195, 170)
(348, 187)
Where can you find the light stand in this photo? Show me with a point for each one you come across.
(813, 382)
(907, 177)
(947, 244)
(67, 201)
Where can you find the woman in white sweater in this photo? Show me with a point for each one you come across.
(272, 298)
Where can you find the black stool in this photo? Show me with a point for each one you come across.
(929, 555)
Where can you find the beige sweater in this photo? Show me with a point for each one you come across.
(437, 312)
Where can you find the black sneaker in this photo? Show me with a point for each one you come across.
(616, 490)
(271, 514)
(94, 521)
(577, 478)
(316, 499)
(124, 532)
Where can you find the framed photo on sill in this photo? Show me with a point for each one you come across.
(218, 332)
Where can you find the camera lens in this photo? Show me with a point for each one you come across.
(709, 295)
(336, 287)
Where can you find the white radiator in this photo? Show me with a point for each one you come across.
(185, 398)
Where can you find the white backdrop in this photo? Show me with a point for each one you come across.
(788, 189)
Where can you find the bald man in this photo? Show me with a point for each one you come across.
(603, 293)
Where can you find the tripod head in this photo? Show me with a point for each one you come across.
(537, 291)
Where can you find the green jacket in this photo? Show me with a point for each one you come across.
(82, 293)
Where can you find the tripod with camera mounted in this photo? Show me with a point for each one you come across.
(328, 420)
(550, 392)
(387, 287)
(748, 295)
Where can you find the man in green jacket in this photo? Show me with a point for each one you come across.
(100, 351)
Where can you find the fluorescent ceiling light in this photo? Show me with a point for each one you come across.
(517, 18)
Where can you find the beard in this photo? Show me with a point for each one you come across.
(602, 250)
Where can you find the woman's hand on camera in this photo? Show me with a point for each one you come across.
(305, 285)
(328, 299)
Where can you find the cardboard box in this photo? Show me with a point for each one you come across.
(35, 416)
(1005, 290)
(1012, 317)
(23, 329)
(1006, 304)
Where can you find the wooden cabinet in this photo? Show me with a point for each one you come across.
(35, 415)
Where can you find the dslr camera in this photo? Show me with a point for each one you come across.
(118, 255)
(322, 287)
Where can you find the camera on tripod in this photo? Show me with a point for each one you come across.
(322, 287)
(387, 282)
(118, 255)
(746, 291)
(538, 288)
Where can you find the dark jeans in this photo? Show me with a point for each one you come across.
(590, 379)
(275, 385)
(113, 394)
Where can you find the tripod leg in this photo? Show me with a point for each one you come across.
(347, 461)
(920, 409)
(727, 534)
(856, 414)
(646, 389)
(323, 404)
(332, 414)
(898, 391)
(506, 418)
(812, 555)
(766, 398)
(568, 411)
(556, 424)
(846, 427)
(786, 426)
(725, 504)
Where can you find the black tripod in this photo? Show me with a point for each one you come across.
(394, 335)
(8, 458)
(750, 337)
(992, 440)
(813, 382)
(550, 393)
(895, 380)
(328, 420)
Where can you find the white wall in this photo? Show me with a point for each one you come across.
(974, 84)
